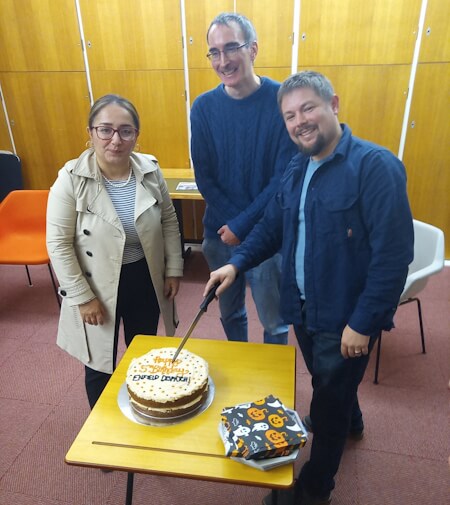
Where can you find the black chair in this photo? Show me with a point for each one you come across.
(10, 173)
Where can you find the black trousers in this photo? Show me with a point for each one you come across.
(137, 307)
(334, 407)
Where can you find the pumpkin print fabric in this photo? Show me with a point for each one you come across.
(261, 429)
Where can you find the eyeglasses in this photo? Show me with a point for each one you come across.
(229, 52)
(126, 133)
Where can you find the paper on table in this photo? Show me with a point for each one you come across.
(187, 186)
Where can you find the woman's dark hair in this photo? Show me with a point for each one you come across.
(120, 101)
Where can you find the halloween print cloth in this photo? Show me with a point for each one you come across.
(261, 429)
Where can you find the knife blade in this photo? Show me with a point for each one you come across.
(203, 308)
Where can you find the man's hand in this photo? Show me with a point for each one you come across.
(92, 312)
(224, 275)
(171, 287)
(227, 236)
(354, 344)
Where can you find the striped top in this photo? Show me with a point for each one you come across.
(123, 197)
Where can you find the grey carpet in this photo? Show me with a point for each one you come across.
(403, 459)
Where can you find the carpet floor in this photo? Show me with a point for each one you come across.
(402, 460)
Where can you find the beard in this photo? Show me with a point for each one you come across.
(314, 149)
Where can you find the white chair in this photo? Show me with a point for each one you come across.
(428, 260)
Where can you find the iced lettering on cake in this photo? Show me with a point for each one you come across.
(145, 377)
(175, 378)
(163, 378)
(163, 366)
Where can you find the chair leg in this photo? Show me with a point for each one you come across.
(422, 335)
(377, 363)
(54, 285)
(28, 275)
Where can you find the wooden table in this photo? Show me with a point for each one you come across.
(241, 372)
(173, 177)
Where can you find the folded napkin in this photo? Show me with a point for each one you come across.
(261, 429)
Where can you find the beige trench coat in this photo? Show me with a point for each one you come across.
(85, 241)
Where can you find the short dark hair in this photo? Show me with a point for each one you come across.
(225, 18)
(102, 102)
(320, 84)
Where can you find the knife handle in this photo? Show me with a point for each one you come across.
(209, 297)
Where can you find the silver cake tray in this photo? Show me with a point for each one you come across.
(123, 399)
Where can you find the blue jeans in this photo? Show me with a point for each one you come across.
(334, 406)
(264, 285)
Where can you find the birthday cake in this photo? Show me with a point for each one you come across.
(158, 387)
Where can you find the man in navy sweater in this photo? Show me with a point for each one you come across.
(240, 150)
(342, 218)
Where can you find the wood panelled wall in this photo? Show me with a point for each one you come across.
(136, 49)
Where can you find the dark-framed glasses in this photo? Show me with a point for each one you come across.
(229, 52)
(126, 133)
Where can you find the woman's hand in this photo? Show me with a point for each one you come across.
(171, 287)
(92, 312)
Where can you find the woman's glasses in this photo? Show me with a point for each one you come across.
(126, 133)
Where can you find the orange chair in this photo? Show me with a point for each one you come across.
(22, 231)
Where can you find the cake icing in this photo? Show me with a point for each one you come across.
(160, 388)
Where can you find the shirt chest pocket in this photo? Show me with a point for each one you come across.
(338, 218)
(288, 208)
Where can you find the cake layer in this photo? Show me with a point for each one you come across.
(168, 404)
(165, 412)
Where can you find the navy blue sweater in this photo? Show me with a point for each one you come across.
(240, 149)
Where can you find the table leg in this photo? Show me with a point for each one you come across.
(274, 497)
(130, 480)
(179, 213)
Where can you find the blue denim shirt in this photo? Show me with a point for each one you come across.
(359, 238)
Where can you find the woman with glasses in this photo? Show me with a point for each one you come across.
(114, 242)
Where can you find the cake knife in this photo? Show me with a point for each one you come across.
(203, 308)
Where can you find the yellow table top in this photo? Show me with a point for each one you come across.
(174, 176)
(242, 372)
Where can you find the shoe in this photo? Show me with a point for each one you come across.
(290, 497)
(306, 499)
(354, 434)
(284, 497)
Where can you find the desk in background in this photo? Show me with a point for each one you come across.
(173, 177)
